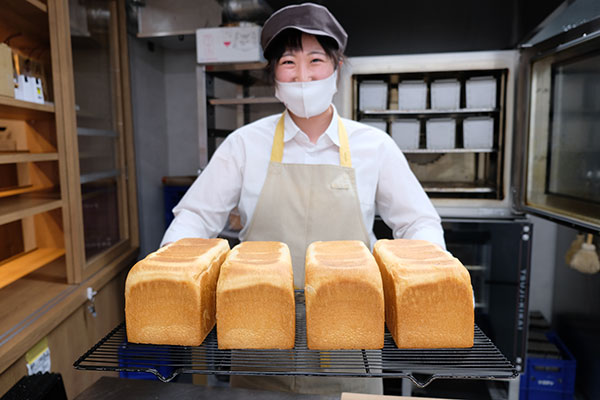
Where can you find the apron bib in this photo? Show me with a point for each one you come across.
(300, 204)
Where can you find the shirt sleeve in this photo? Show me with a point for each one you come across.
(401, 201)
(203, 210)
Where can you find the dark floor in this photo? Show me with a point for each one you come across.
(452, 389)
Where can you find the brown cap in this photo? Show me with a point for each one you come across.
(307, 17)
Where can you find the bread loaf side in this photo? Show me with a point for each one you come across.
(170, 296)
(344, 297)
(255, 298)
(428, 295)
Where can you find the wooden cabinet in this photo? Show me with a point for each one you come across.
(32, 175)
(68, 213)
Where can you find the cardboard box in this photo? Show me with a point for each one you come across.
(228, 45)
(13, 135)
(7, 141)
(7, 83)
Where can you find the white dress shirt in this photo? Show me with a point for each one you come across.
(236, 173)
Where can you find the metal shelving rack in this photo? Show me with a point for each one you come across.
(246, 77)
(482, 361)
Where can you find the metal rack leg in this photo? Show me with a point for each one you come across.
(513, 388)
(509, 389)
(407, 386)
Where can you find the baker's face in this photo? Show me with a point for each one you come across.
(310, 63)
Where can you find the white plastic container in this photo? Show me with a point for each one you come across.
(376, 123)
(373, 95)
(481, 92)
(445, 94)
(406, 133)
(441, 133)
(412, 95)
(478, 133)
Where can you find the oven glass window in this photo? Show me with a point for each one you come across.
(574, 145)
(563, 161)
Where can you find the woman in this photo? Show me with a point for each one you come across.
(307, 174)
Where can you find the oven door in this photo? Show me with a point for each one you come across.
(562, 131)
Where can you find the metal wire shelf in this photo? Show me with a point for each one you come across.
(482, 361)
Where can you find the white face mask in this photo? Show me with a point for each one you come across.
(307, 99)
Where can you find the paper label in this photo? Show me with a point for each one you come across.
(38, 358)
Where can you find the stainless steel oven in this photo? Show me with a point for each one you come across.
(533, 147)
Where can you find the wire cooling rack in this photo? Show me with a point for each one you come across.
(115, 353)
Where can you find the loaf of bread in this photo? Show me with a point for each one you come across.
(428, 295)
(255, 298)
(344, 297)
(170, 294)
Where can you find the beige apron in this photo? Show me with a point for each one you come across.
(300, 204)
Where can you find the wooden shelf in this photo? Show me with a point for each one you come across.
(246, 100)
(443, 151)
(38, 4)
(90, 154)
(11, 108)
(29, 19)
(15, 191)
(18, 207)
(428, 112)
(97, 176)
(31, 296)
(34, 9)
(96, 132)
(445, 187)
(23, 264)
(242, 74)
(23, 157)
(236, 67)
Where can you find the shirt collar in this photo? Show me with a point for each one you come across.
(291, 129)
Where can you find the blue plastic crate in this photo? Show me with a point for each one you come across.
(128, 358)
(533, 394)
(549, 379)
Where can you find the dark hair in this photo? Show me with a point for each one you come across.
(291, 39)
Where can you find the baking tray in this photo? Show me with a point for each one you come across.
(421, 366)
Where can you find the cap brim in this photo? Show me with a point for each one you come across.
(315, 32)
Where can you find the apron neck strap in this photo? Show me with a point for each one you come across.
(277, 149)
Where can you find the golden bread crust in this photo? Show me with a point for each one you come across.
(170, 294)
(344, 297)
(255, 298)
(428, 295)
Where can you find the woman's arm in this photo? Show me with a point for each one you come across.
(402, 202)
(204, 209)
